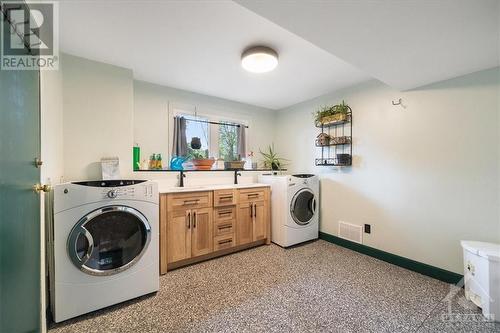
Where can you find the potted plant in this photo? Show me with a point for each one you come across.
(234, 163)
(199, 159)
(332, 114)
(271, 159)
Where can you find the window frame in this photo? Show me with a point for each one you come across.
(179, 109)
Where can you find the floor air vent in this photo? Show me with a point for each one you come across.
(351, 232)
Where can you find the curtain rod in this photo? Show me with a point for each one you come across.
(216, 123)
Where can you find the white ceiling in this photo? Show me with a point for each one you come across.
(403, 43)
(196, 46)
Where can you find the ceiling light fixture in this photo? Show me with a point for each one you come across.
(259, 59)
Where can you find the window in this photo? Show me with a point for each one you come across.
(217, 141)
(196, 129)
(228, 143)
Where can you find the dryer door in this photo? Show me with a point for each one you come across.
(109, 240)
(303, 207)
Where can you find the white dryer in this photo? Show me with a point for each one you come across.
(294, 206)
(105, 245)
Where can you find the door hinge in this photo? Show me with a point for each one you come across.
(38, 162)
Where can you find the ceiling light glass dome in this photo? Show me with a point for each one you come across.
(259, 59)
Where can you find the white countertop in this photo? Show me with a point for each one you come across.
(171, 189)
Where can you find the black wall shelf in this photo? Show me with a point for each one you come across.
(337, 151)
(182, 173)
(215, 170)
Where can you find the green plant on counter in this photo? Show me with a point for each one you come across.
(271, 159)
(197, 154)
(327, 114)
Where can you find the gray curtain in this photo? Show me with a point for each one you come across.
(242, 143)
(179, 147)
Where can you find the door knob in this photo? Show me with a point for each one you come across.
(41, 188)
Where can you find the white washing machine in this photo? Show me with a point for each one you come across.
(105, 245)
(294, 206)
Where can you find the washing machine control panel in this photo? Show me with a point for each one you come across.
(128, 192)
(70, 195)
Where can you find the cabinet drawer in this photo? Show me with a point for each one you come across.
(224, 198)
(224, 228)
(190, 200)
(223, 242)
(251, 195)
(224, 214)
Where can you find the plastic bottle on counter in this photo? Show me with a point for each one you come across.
(152, 162)
(159, 165)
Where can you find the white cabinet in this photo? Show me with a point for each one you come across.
(482, 276)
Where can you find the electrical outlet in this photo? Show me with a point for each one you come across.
(368, 229)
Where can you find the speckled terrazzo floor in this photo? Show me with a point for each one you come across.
(316, 287)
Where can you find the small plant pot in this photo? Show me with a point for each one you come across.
(343, 159)
(334, 118)
(202, 163)
(234, 165)
(195, 143)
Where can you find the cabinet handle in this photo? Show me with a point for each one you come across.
(255, 210)
(251, 210)
(253, 195)
(191, 202)
(194, 219)
(226, 226)
(227, 212)
(225, 241)
(227, 197)
(188, 222)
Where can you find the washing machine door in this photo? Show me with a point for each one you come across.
(109, 240)
(303, 207)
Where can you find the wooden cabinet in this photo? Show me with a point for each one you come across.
(186, 227)
(252, 194)
(244, 224)
(196, 226)
(224, 197)
(224, 220)
(260, 220)
(189, 200)
(201, 232)
(253, 221)
(189, 234)
(179, 235)
(224, 242)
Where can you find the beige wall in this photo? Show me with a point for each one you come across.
(98, 117)
(424, 177)
(51, 126)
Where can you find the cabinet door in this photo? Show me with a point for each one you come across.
(163, 233)
(259, 220)
(244, 224)
(179, 235)
(202, 231)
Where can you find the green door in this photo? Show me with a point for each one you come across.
(19, 204)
